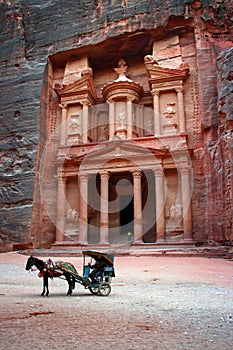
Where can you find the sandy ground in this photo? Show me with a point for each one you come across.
(155, 303)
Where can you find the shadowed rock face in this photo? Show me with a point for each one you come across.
(35, 36)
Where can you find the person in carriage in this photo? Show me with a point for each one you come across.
(98, 269)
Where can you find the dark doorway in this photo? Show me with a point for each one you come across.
(127, 214)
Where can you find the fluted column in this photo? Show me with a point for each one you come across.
(159, 202)
(137, 206)
(157, 121)
(180, 103)
(111, 119)
(83, 223)
(129, 119)
(63, 124)
(186, 204)
(104, 177)
(61, 203)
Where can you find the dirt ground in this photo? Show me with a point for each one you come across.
(155, 303)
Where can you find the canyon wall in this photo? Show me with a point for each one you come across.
(33, 32)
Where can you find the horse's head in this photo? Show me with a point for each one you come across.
(30, 263)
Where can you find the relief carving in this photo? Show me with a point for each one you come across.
(72, 216)
(176, 215)
(170, 112)
(121, 119)
(122, 70)
(74, 125)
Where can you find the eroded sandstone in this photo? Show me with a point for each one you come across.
(37, 39)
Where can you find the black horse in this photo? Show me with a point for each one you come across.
(47, 271)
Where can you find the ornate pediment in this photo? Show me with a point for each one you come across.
(159, 74)
(82, 88)
(119, 154)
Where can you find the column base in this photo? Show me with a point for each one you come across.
(139, 242)
(64, 244)
(105, 244)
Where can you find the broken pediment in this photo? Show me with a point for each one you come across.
(82, 88)
(159, 74)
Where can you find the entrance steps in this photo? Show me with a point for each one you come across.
(152, 250)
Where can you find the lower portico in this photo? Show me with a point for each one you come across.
(125, 197)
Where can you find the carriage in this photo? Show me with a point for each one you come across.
(96, 277)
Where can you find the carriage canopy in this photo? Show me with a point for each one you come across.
(106, 258)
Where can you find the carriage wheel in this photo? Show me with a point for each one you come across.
(104, 289)
(94, 290)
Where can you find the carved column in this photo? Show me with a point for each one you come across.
(180, 103)
(104, 177)
(111, 119)
(157, 121)
(159, 202)
(61, 204)
(129, 119)
(137, 206)
(85, 122)
(95, 126)
(186, 203)
(83, 222)
(141, 121)
(63, 124)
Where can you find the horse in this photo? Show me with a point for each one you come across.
(50, 271)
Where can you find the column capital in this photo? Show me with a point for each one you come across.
(63, 105)
(158, 171)
(136, 173)
(184, 171)
(130, 98)
(180, 89)
(104, 174)
(61, 179)
(155, 92)
(85, 103)
(83, 177)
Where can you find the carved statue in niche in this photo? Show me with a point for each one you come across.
(121, 119)
(74, 125)
(176, 215)
(170, 112)
(122, 70)
(72, 216)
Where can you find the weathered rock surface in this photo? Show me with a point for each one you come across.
(219, 155)
(32, 31)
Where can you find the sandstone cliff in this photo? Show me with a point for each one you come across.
(33, 31)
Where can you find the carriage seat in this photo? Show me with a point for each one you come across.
(86, 270)
(109, 271)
